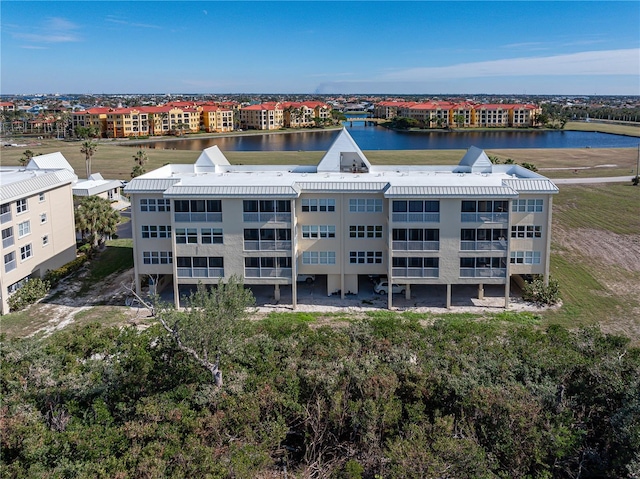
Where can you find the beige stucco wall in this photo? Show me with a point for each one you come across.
(59, 228)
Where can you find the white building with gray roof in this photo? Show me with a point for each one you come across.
(341, 220)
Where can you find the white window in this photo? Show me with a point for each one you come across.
(151, 204)
(156, 231)
(211, 235)
(365, 231)
(7, 237)
(526, 231)
(41, 197)
(24, 228)
(157, 257)
(525, 257)
(368, 257)
(9, 261)
(26, 252)
(318, 231)
(321, 204)
(45, 240)
(527, 206)
(318, 257)
(43, 218)
(21, 206)
(365, 205)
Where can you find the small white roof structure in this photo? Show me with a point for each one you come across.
(50, 161)
(210, 158)
(342, 155)
(95, 185)
(475, 161)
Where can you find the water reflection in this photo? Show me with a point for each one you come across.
(378, 138)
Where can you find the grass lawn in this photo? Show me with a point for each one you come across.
(595, 255)
(117, 256)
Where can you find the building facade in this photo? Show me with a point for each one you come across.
(474, 223)
(37, 223)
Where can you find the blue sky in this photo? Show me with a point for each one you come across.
(432, 47)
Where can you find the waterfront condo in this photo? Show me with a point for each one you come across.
(473, 223)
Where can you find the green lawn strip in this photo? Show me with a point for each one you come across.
(117, 256)
(629, 130)
(609, 207)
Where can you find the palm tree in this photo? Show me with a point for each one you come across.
(88, 148)
(26, 156)
(95, 219)
(140, 157)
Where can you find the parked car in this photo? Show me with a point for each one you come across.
(383, 288)
(306, 278)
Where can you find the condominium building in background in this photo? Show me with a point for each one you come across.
(341, 220)
(36, 219)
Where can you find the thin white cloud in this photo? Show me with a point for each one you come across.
(53, 30)
(34, 47)
(605, 62)
(117, 21)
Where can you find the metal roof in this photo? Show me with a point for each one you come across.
(456, 191)
(532, 185)
(94, 187)
(179, 191)
(361, 186)
(29, 183)
(148, 185)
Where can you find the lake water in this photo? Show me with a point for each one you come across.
(378, 138)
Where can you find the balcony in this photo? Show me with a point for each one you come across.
(416, 245)
(267, 245)
(415, 272)
(483, 272)
(502, 218)
(415, 217)
(198, 217)
(267, 272)
(267, 217)
(5, 217)
(201, 273)
(500, 245)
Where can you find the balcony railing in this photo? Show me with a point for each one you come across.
(267, 245)
(6, 242)
(200, 272)
(484, 217)
(5, 217)
(416, 217)
(416, 245)
(415, 272)
(483, 272)
(267, 217)
(267, 272)
(500, 245)
(198, 217)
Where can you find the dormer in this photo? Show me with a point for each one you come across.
(474, 161)
(344, 155)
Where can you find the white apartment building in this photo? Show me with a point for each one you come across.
(472, 223)
(36, 219)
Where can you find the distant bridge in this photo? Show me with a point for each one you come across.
(367, 121)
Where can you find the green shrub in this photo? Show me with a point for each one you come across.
(31, 291)
(538, 292)
(54, 276)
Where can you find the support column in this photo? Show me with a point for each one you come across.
(276, 292)
(481, 291)
(448, 296)
(407, 291)
(176, 297)
(507, 287)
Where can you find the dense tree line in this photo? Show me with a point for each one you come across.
(556, 112)
(384, 397)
